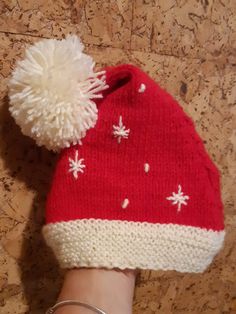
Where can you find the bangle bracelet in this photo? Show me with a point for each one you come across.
(95, 309)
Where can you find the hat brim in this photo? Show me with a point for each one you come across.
(132, 245)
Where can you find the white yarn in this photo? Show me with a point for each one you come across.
(76, 165)
(178, 198)
(52, 90)
(128, 244)
(125, 203)
(120, 131)
(146, 167)
(142, 88)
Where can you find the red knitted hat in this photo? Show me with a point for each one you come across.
(139, 191)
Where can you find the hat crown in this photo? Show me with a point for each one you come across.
(135, 129)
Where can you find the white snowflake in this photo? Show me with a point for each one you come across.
(178, 198)
(120, 131)
(76, 165)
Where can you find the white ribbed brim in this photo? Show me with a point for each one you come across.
(124, 244)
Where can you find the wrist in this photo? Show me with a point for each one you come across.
(111, 290)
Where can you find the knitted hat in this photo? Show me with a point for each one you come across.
(139, 190)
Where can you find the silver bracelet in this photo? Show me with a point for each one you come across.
(95, 309)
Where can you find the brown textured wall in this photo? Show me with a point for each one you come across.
(189, 47)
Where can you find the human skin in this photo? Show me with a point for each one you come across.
(110, 290)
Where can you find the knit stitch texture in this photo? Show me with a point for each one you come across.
(144, 163)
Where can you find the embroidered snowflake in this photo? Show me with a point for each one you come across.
(76, 165)
(120, 131)
(178, 198)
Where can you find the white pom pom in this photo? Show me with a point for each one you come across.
(52, 90)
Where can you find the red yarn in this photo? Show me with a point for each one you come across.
(161, 135)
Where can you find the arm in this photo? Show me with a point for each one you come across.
(111, 290)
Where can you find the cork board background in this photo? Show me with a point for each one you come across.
(189, 47)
